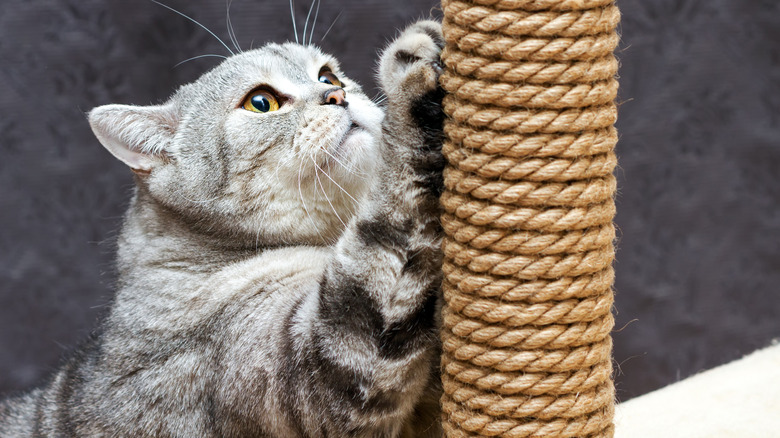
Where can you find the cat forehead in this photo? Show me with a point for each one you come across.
(292, 61)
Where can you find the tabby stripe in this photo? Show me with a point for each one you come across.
(346, 383)
(348, 306)
(412, 334)
(293, 373)
(381, 233)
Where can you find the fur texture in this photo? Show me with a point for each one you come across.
(279, 271)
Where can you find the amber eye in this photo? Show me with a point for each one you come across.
(327, 77)
(261, 101)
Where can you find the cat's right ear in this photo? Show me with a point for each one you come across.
(140, 136)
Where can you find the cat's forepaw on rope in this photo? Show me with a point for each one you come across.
(410, 66)
(409, 73)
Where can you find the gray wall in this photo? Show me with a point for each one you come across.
(698, 266)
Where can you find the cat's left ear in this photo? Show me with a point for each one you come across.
(140, 136)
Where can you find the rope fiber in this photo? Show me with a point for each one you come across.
(528, 210)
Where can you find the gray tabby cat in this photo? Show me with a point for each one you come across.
(279, 263)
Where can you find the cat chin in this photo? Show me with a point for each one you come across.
(356, 153)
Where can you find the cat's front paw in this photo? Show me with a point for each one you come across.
(409, 73)
(409, 68)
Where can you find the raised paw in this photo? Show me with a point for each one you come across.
(409, 73)
(410, 66)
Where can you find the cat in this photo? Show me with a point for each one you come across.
(279, 262)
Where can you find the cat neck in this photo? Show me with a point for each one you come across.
(155, 238)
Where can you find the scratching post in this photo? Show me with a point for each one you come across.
(528, 211)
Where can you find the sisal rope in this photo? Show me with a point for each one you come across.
(528, 211)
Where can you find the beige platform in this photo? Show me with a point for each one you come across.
(737, 400)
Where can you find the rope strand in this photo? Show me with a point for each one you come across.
(528, 210)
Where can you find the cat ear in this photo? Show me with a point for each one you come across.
(137, 135)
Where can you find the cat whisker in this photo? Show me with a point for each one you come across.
(314, 23)
(230, 30)
(198, 57)
(278, 169)
(306, 23)
(196, 22)
(205, 201)
(348, 168)
(334, 182)
(295, 27)
(325, 193)
(303, 202)
(380, 98)
(331, 26)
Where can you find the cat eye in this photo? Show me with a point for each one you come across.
(327, 77)
(260, 101)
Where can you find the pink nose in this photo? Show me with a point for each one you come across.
(336, 96)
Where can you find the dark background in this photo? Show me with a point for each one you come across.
(698, 264)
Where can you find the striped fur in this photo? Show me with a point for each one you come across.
(255, 298)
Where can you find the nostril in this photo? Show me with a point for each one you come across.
(336, 96)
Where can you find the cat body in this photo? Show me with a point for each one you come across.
(279, 263)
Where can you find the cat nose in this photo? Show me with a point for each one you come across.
(335, 96)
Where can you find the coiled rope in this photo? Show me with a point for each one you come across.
(528, 211)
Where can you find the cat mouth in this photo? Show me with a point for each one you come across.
(353, 128)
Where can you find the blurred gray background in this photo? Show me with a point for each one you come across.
(698, 263)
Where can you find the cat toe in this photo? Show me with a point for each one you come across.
(430, 28)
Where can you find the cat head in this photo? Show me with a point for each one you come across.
(272, 146)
